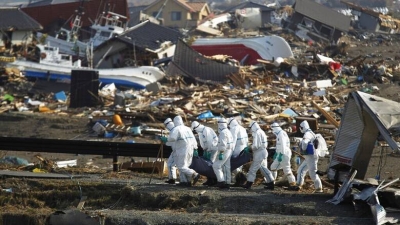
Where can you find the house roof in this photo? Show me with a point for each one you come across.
(48, 14)
(49, 2)
(196, 6)
(189, 63)
(15, 18)
(249, 4)
(190, 6)
(322, 14)
(149, 35)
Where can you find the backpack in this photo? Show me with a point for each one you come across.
(320, 145)
(317, 146)
(316, 141)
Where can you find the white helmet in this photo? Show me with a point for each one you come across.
(222, 124)
(253, 126)
(167, 121)
(194, 125)
(304, 126)
(169, 124)
(178, 120)
(276, 128)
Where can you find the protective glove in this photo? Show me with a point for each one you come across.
(207, 155)
(196, 152)
(221, 156)
(164, 139)
(275, 155)
(280, 157)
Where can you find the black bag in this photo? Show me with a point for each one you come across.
(204, 167)
(315, 142)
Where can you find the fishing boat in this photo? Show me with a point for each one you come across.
(246, 50)
(52, 65)
(107, 25)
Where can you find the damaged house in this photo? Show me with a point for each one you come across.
(367, 19)
(16, 27)
(178, 13)
(315, 22)
(251, 15)
(244, 16)
(138, 46)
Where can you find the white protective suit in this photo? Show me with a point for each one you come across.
(185, 143)
(171, 162)
(208, 139)
(240, 141)
(239, 135)
(222, 167)
(260, 154)
(310, 162)
(282, 155)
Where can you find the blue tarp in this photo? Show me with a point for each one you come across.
(206, 115)
(12, 160)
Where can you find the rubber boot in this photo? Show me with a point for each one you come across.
(294, 188)
(220, 184)
(247, 185)
(185, 184)
(269, 186)
(224, 186)
(170, 181)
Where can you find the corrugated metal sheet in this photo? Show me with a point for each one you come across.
(189, 63)
(149, 35)
(349, 134)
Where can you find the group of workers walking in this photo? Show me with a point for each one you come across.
(232, 139)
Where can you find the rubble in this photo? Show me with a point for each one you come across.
(315, 84)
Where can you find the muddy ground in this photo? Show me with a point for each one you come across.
(128, 197)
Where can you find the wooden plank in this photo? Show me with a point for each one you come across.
(81, 202)
(326, 115)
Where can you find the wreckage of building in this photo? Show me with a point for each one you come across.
(317, 21)
(369, 20)
(366, 120)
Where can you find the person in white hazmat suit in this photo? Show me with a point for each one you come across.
(260, 155)
(282, 155)
(208, 141)
(240, 141)
(222, 165)
(185, 143)
(171, 161)
(310, 160)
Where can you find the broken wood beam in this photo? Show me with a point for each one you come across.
(326, 115)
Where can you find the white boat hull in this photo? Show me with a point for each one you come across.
(253, 48)
(134, 77)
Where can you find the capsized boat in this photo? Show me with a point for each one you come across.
(245, 50)
(52, 65)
